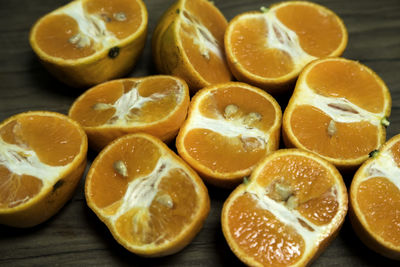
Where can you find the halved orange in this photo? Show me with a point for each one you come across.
(375, 200)
(87, 42)
(42, 158)
(155, 104)
(229, 129)
(338, 110)
(189, 43)
(150, 199)
(269, 49)
(289, 210)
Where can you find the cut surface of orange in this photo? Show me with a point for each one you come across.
(42, 158)
(230, 127)
(87, 42)
(339, 110)
(188, 43)
(269, 49)
(156, 105)
(150, 199)
(375, 200)
(292, 206)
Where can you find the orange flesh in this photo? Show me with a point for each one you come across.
(17, 189)
(395, 149)
(213, 69)
(318, 30)
(139, 155)
(347, 80)
(55, 142)
(213, 106)
(351, 140)
(379, 201)
(106, 10)
(248, 42)
(220, 153)
(261, 236)
(53, 34)
(83, 111)
(309, 181)
(110, 92)
(162, 223)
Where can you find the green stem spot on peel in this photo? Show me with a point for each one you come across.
(385, 122)
(264, 9)
(246, 180)
(177, 11)
(373, 153)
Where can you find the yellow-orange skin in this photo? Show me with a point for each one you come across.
(170, 247)
(316, 252)
(165, 129)
(347, 166)
(49, 201)
(279, 85)
(168, 53)
(99, 67)
(225, 180)
(359, 225)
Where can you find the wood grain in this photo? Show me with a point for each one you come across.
(75, 236)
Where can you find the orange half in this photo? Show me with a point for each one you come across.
(189, 43)
(151, 200)
(229, 129)
(269, 49)
(156, 105)
(87, 42)
(375, 200)
(338, 110)
(287, 212)
(42, 158)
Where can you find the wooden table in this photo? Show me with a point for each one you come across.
(75, 236)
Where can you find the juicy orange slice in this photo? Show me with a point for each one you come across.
(229, 129)
(269, 49)
(87, 42)
(156, 105)
(375, 200)
(42, 158)
(188, 43)
(289, 210)
(151, 201)
(338, 110)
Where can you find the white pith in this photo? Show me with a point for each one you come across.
(90, 25)
(131, 100)
(383, 165)
(207, 44)
(226, 127)
(307, 96)
(23, 161)
(286, 40)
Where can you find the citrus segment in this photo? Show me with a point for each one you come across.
(269, 49)
(375, 201)
(87, 42)
(229, 128)
(155, 104)
(42, 157)
(188, 43)
(150, 200)
(289, 210)
(338, 110)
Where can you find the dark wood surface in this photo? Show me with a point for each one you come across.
(75, 236)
